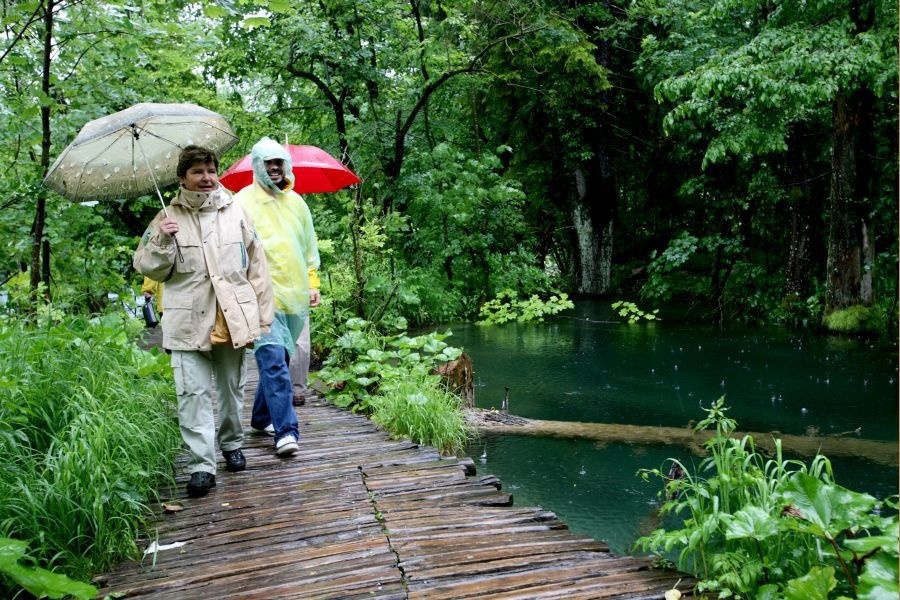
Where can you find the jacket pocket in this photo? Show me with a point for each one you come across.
(189, 258)
(179, 323)
(232, 253)
(246, 299)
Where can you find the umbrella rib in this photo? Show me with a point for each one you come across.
(144, 130)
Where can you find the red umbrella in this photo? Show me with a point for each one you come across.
(315, 171)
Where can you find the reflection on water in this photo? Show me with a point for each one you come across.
(589, 367)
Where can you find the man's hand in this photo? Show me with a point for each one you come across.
(314, 297)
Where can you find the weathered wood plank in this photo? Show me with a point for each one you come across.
(358, 515)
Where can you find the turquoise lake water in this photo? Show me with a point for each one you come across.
(587, 366)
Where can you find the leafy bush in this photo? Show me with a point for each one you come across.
(773, 528)
(507, 307)
(87, 432)
(854, 319)
(390, 377)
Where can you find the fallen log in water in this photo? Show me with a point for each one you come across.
(885, 453)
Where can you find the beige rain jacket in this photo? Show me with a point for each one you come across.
(223, 260)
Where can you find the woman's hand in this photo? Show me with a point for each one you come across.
(168, 226)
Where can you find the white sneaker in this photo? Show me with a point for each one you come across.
(286, 446)
(268, 430)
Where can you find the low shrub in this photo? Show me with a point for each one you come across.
(390, 377)
(757, 527)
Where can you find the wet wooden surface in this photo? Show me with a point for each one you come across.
(357, 515)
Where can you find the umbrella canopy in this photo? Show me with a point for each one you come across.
(135, 151)
(315, 171)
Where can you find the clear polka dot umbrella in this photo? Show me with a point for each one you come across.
(135, 151)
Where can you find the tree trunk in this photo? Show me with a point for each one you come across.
(807, 193)
(39, 246)
(355, 231)
(592, 220)
(850, 255)
(593, 213)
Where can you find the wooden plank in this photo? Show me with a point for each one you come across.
(356, 514)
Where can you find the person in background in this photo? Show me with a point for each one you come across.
(218, 301)
(153, 290)
(299, 364)
(286, 228)
(152, 311)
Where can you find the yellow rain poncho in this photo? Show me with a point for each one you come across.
(284, 224)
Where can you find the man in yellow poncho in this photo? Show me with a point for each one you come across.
(284, 225)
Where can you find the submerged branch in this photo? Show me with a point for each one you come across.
(884, 453)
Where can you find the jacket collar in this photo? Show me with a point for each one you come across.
(213, 200)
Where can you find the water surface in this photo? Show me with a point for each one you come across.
(588, 366)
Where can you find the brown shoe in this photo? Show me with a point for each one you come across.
(300, 396)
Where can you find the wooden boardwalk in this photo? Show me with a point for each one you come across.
(357, 515)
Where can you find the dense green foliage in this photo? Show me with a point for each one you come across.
(88, 432)
(740, 156)
(391, 377)
(714, 152)
(416, 405)
(757, 527)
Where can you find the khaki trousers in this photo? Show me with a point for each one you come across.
(196, 375)
(299, 365)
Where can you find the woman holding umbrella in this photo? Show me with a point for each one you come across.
(218, 301)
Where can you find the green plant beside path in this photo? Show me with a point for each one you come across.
(88, 432)
(771, 528)
(38, 582)
(390, 377)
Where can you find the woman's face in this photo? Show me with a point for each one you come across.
(200, 177)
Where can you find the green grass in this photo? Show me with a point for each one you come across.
(419, 407)
(87, 434)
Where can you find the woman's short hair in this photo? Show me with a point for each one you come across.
(191, 155)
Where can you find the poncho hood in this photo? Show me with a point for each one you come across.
(268, 149)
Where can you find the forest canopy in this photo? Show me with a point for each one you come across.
(740, 157)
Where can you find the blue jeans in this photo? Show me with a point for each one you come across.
(273, 402)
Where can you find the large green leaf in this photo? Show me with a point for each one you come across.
(751, 522)
(815, 585)
(37, 581)
(827, 509)
(879, 578)
(887, 541)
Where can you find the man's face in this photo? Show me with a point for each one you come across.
(275, 169)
